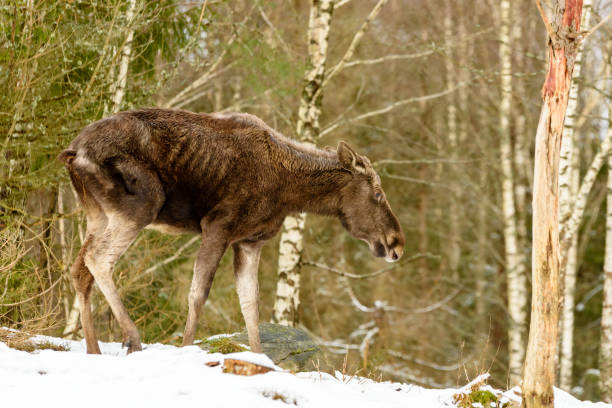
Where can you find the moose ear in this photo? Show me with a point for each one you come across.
(349, 159)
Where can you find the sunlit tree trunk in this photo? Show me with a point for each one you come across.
(605, 354)
(287, 299)
(124, 63)
(515, 266)
(454, 251)
(569, 183)
(541, 350)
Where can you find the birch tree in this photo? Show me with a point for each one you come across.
(539, 374)
(605, 348)
(291, 241)
(569, 183)
(454, 251)
(605, 353)
(515, 265)
(308, 130)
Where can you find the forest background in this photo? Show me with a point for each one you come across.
(442, 96)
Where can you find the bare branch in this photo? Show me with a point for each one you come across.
(389, 108)
(415, 55)
(366, 275)
(341, 3)
(172, 258)
(592, 30)
(424, 363)
(201, 80)
(549, 29)
(356, 39)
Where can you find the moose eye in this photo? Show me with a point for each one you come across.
(378, 195)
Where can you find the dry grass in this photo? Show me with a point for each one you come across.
(22, 341)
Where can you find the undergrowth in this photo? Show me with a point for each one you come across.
(223, 345)
(23, 342)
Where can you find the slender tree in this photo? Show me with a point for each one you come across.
(605, 349)
(541, 350)
(515, 265)
(454, 250)
(291, 241)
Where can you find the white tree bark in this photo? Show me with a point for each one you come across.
(125, 58)
(287, 299)
(605, 355)
(454, 251)
(569, 183)
(515, 265)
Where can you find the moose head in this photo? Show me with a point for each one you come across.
(364, 209)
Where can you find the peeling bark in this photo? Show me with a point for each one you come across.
(541, 350)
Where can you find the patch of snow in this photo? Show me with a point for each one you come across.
(167, 376)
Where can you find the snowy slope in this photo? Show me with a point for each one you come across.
(168, 376)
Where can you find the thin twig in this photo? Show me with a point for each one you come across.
(353, 46)
(388, 108)
(365, 275)
(592, 30)
(33, 297)
(549, 29)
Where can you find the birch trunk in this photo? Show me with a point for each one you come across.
(454, 251)
(541, 350)
(605, 356)
(125, 59)
(287, 299)
(515, 266)
(569, 183)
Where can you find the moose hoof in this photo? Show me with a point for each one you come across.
(132, 345)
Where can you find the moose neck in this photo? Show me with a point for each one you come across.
(315, 180)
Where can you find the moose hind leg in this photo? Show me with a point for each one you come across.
(83, 281)
(105, 250)
(246, 263)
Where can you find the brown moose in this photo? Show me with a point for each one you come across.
(230, 178)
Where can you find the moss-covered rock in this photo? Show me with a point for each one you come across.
(288, 347)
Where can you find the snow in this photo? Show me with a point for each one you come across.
(167, 376)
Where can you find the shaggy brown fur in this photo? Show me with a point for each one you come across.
(229, 177)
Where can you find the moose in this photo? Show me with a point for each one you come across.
(227, 176)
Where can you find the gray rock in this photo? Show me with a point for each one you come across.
(288, 347)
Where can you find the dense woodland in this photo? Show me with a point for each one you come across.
(442, 96)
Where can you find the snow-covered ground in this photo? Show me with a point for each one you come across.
(168, 376)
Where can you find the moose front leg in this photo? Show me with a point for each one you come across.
(206, 263)
(246, 262)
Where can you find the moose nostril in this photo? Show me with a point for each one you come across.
(394, 255)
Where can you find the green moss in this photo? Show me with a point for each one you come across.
(484, 397)
(223, 345)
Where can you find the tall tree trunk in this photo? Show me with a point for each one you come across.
(605, 354)
(454, 251)
(541, 350)
(287, 299)
(515, 266)
(125, 58)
